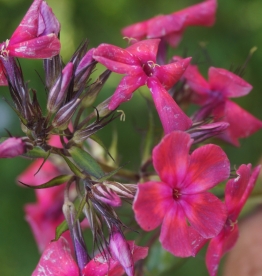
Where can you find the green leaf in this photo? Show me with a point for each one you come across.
(73, 167)
(60, 229)
(86, 162)
(36, 152)
(52, 183)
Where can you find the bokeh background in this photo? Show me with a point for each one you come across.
(238, 28)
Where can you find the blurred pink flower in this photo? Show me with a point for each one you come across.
(12, 147)
(172, 26)
(181, 197)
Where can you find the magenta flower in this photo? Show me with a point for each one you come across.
(12, 147)
(171, 27)
(138, 62)
(35, 37)
(57, 259)
(46, 214)
(181, 197)
(236, 194)
(213, 96)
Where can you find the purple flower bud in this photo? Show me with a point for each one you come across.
(202, 132)
(64, 115)
(120, 250)
(58, 93)
(12, 147)
(105, 195)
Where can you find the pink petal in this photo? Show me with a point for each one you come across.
(174, 235)
(163, 25)
(28, 27)
(12, 147)
(151, 203)
(205, 213)
(174, 38)
(231, 112)
(40, 47)
(145, 50)
(57, 260)
(202, 14)
(137, 30)
(170, 114)
(208, 166)
(218, 246)
(3, 80)
(227, 83)
(171, 158)
(125, 89)
(169, 74)
(117, 59)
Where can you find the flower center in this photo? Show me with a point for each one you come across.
(3, 52)
(176, 194)
(149, 68)
(232, 224)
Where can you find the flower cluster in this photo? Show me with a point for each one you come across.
(77, 182)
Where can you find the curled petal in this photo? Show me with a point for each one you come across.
(205, 213)
(40, 47)
(174, 235)
(227, 83)
(171, 158)
(152, 201)
(208, 166)
(170, 114)
(124, 91)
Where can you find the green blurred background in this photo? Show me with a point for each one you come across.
(238, 28)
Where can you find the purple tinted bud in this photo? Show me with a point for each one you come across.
(106, 195)
(202, 132)
(58, 93)
(120, 251)
(85, 61)
(12, 147)
(47, 22)
(64, 115)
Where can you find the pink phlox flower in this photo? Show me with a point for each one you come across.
(138, 62)
(35, 37)
(180, 201)
(57, 260)
(236, 194)
(171, 27)
(12, 147)
(46, 214)
(213, 95)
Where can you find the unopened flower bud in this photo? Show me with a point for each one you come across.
(202, 132)
(102, 108)
(12, 147)
(105, 195)
(63, 116)
(120, 250)
(58, 93)
(76, 234)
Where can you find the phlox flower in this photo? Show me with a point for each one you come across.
(57, 259)
(171, 27)
(236, 194)
(213, 95)
(35, 37)
(138, 62)
(180, 200)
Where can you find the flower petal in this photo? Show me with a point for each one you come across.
(174, 235)
(171, 158)
(40, 47)
(218, 246)
(3, 80)
(145, 50)
(170, 114)
(151, 203)
(227, 83)
(208, 166)
(124, 91)
(137, 30)
(169, 74)
(205, 213)
(57, 260)
(117, 59)
(231, 112)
